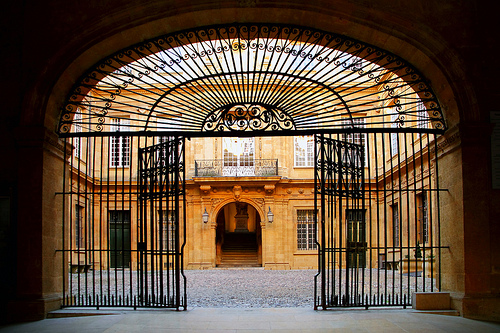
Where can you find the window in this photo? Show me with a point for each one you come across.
(77, 140)
(306, 230)
(79, 224)
(239, 157)
(168, 230)
(423, 220)
(304, 151)
(395, 225)
(120, 145)
(356, 138)
(421, 117)
(394, 136)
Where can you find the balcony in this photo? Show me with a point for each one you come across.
(247, 168)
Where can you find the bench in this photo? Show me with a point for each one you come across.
(387, 264)
(392, 265)
(79, 268)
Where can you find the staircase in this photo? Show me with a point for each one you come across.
(239, 250)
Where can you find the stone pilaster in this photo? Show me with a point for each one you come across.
(39, 227)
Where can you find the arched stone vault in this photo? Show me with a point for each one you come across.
(441, 80)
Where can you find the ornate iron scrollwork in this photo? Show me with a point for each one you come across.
(249, 77)
(247, 117)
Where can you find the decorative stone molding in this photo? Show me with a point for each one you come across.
(446, 143)
(205, 189)
(269, 189)
(215, 202)
(260, 202)
(237, 192)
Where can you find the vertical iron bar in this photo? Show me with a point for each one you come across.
(386, 227)
(323, 234)
(438, 205)
(66, 165)
(407, 193)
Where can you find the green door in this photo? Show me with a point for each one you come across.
(356, 238)
(119, 238)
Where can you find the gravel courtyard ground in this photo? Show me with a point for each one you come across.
(245, 288)
(250, 288)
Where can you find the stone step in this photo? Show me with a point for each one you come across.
(239, 258)
(239, 250)
(243, 265)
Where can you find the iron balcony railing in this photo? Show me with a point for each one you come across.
(247, 168)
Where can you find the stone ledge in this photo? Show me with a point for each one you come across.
(431, 301)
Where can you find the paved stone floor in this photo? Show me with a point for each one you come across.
(241, 320)
(251, 301)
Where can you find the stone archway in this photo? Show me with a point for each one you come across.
(451, 80)
(238, 238)
(328, 93)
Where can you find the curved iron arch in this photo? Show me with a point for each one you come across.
(314, 80)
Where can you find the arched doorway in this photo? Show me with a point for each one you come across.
(268, 80)
(238, 237)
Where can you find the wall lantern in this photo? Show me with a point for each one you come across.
(204, 216)
(270, 215)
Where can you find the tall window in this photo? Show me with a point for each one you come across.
(77, 140)
(304, 151)
(394, 136)
(395, 225)
(306, 230)
(239, 157)
(79, 223)
(356, 138)
(120, 145)
(168, 230)
(423, 220)
(422, 116)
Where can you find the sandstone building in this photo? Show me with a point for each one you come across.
(435, 192)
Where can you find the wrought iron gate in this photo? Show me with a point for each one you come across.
(377, 198)
(339, 181)
(162, 215)
(378, 236)
(124, 234)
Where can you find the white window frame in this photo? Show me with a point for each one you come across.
(238, 156)
(306, 230)
(421, 116)
(303, 147)
(78, 129)
(168, 228)
(424, 217)
(356, 138)
(79, 226)
(119, 146)
(394, 136)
